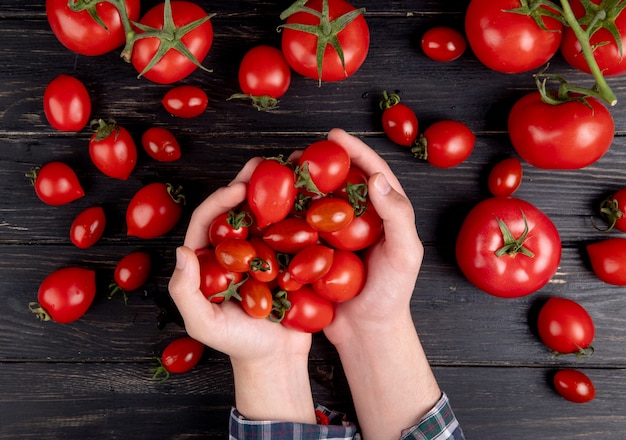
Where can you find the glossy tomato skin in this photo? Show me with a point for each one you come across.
(443, 44)
(300, 47)
(400, 124)
(174, 66)
(88, 227)
(66, 294)
(362, 232)
(215, 279)
(605, 49)
(571, 135)
(161, 144)
(229, 225)
(329, 214)
(185, 101)
(235, 255)
(505, 177)
(608, 260)
(507, 276)
(508, 42)
(311, 263)
(574, 385)
(614, 209)
(309, 312)
(327, 164)
(66, 103)
(565, 326)
(290, 235)
(56, 184)
(256, 298)
(153, 211)
(133, 270)
(271, 192)
(264, 72)
(266, 267)
(115, 155)
(448, 143)
(182, 355)
(80, 33)
(344, 280)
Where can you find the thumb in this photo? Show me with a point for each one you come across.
(184, 285)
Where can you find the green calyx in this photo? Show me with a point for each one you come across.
(326, 31)
(537, 10)
(389, 100)
(104, 129)
(513, 246)
(262, 103)
(610, 209)
(280, 305)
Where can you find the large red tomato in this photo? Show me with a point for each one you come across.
(509, 40)
(507, 247)
(570, 135)
(311, 53)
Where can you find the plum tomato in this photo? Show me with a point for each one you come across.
(66, 103)
(88, 227)
(185, 101)
(180, 356)
(256, 298)
(344, 280)
(322, 167)
(608, 260)
(443, 44)
(235, 255)
(229, 224)
(311, 263)
(399, 120)
(154, 210)
(309, 312)
(132, 271)
(329, 214)
(161, 144)
(445, 144)
(574, 385)
(565, 326)
(271, 192)
(290, 235)
(505, 177)
(56, 184)
(112, 150)
(265, 267)
(363, 231)
(217, 283)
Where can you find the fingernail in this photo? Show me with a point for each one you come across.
(181, 259)
(381, 184)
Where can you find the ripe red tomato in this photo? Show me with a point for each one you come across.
(574, 386)
(235, 255)
(271, 192)
(314, 56)
(399, 120)
(132, 271)
(264, 76)
(56, 184)
(66, 103)
(154, 210)
(79, 32)
(608, 260)
(216, 282)
(363, 231)
(113, 150)
(180, 356)
(445, 144)
(287, 283)
(606, 50)
(88, 227)
(265, 267)
(323, 167)
(505, 177)
(507, 41)
(173, 65)
(65, 295)
(565, 326)
(290, 235)
(344, 280)
(311, 263)
(256, 298)
(507, 247)
(229, 225)
(571, 135)
(161, 144)
(443, 43)
(354, 190)
(614, 210)
(329, 214)
(185, 101)
(309, 312)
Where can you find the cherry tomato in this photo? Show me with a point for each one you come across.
(271, 192)
(565, 326)
(265, 267)
(80, 33)
(216, 282)
(507, 247)
(505, 177)
(443, 43)
(56, 184)
(65, 295)
(290, 235)
(256, 298)
(235, 255)
(361, 232)
(574, 385)
(88, 227)
(161, 144)
(507, 41)
(311, 263)
(312, 54)
(571, 135)
(173, 65)
(608, 260)
(344, 280)
(445, 144)
(180, 356)
(133, 270)
(113, 150)
(606, 49)
(287, 283)
(399, 120)
(323, 167)
(329, 214)
(264, 76)
(154, 210)
(229, 225)
(66, 103)
(354, 190)
(614, 210)
(309, 312)
(185, 101)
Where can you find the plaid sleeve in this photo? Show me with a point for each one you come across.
(439, 423)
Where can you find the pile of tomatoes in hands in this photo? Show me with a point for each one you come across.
(292, 249)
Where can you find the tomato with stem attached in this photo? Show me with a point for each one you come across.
(131, 273)
(235, 255)
(399, 120)
(229, 224)
(112, 149)
(566, 327)
(154, 210)
(56, 183)
(445, 144)
(217, 283)
(613, 208)
(322, 167)
(180, 356)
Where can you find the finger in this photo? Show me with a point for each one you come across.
(246, 172)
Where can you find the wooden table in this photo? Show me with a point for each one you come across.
(92, 379)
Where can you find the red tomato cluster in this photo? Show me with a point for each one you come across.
(291, 250)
